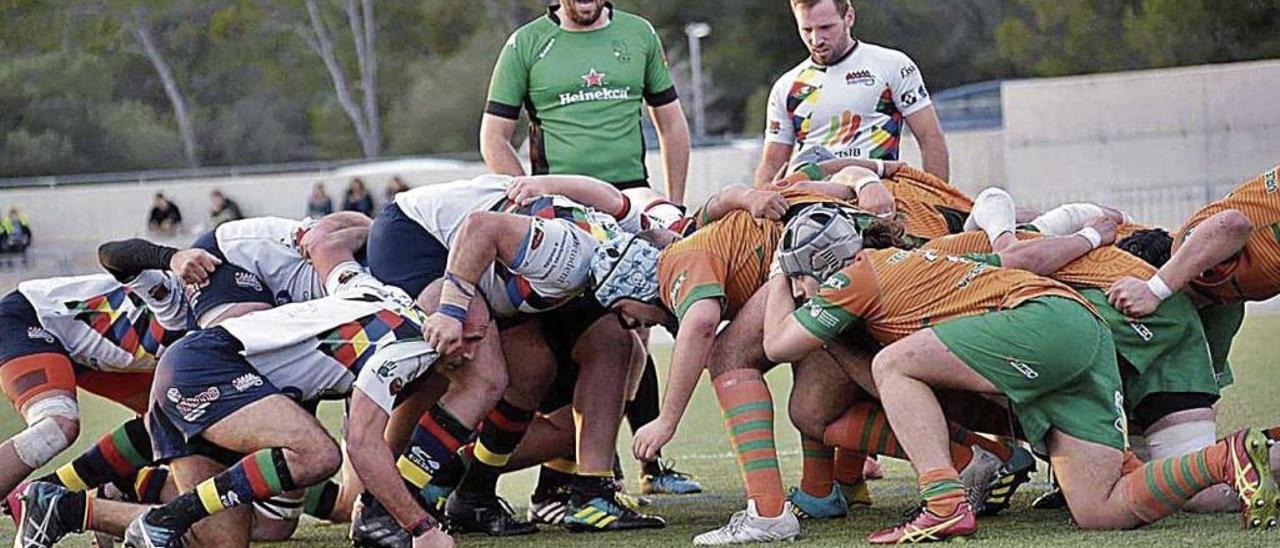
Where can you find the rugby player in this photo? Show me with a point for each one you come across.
(235, 390)
(958, 324)
(94, 332)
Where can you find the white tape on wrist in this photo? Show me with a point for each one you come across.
(1091, 234)
(1159, 288)
(879, 167)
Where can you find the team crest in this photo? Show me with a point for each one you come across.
(621, 52)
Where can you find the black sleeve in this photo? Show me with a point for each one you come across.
(126, 259)
(502, 111)
(661, 98)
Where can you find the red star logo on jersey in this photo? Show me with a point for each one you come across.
(593, 78)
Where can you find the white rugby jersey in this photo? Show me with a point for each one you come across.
(854, 108)
(552, 275)
(270, 248)
(106, 325)
(366, 333)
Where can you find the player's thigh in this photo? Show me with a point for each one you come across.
(923, 356)
(740, 345)
(273, 421)
(820, 393)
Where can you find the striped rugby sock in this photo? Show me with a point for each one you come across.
(818, 470)
(748, 415)
(258, 476)
(500, 433)
(941, 491)
(434, 443)
(1158, 488)
(116, 458)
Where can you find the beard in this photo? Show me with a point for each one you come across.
(571, 8)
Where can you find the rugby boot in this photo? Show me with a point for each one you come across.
(807, 506)
(978, 475)
(484, 513)
(594, 507)
(45, 513)
(747, 526)
(12, 503)
(856, 493)
(1249, 473)
(1012, 474)
(147, 531)
(372, 526)
(1052, 500)
(923, 526)
(669, 482)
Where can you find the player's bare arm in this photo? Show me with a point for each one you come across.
(673, 138)
(762, 204)
(692, 349)
(495, 145)
(927, 128)
(772, 160)
(785, 340)
(1044, 256)
(587, 191)
(1216, 239)
(483, 238)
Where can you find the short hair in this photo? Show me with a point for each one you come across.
(1153, 246)
(842, 6)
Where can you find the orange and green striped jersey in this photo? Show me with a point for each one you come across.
(926, 206)
(727, 259)
(1254, 273)
(1096, 269)
(893, 293)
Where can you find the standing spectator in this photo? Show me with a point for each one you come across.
(17, 231)
(850, 97)
(357, 198)
(319, 203)
(223, 209)
(165, 216)
(396, 186)
(584, 69)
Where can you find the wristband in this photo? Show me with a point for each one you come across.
(879, 167)
(1091, 234)
(812, 171)
(421, 526)
(624, 210)
(455, 297)
(864, 183)
(1159, 288)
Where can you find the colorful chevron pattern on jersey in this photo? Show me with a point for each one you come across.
(804, 94)
(124, 320)
(352, 343)
(886, 137)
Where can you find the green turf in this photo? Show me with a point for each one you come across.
(701, 448)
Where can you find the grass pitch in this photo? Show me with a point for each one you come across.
(701, 448)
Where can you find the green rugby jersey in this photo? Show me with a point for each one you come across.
(583, 93)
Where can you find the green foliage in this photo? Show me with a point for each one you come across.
(78, 95)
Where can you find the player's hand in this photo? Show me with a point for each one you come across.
(764, 204)
(876, 199)
(1106, 227)
(651, 438)
(523, 190)
(1132, 297)
(443, 333)
(433, 538)
(193, 266)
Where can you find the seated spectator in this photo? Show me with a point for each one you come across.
(224, 209)
(397, 186)
(17, 232)
(357, 198)
(165, 216)
(319, 204)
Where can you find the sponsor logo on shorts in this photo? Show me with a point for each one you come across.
(1143, 331)
(536, 240)
(40, 334)
(247, 279)
(1025, 369)
(859, 77)
(246, 381)
(1122, 422)
(193, 407)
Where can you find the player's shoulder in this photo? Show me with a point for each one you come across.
(630, 22)
(885, 53)
(792, 73)
(256, 227)
(531, 33)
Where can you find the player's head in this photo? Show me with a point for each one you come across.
(825, 27)
(1152, 246)
(624, 277)
(819, 241)
(582, 12)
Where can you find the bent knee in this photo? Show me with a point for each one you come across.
(807, 419)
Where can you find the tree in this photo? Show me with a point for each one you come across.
(363, 116)
(138, 23)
